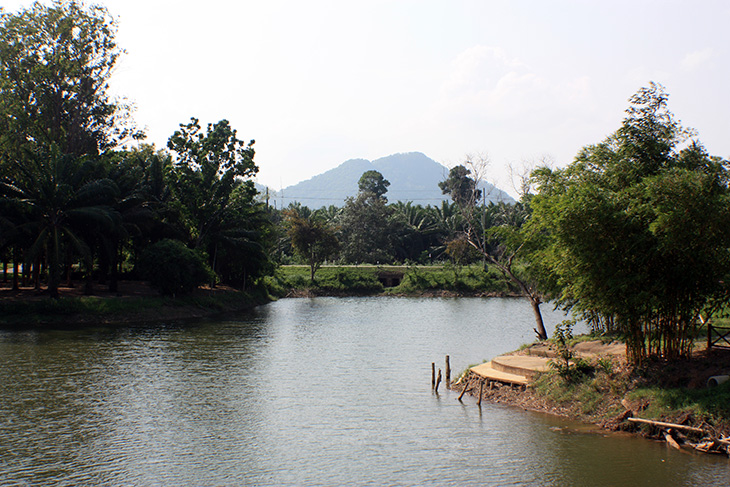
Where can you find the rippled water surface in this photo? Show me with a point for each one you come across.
(319, 391)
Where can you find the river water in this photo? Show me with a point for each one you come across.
(324, 391)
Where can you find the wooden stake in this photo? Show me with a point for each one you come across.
(463, 391)
(481, 386)
(438, 380)
(433, 375)
(448, 373)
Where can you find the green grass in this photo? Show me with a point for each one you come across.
(710, 405)
(470, 279)
(595, 394)
(364, 280)
(355, 280)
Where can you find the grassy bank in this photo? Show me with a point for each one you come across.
(369, 280)
(30, 309)
(606, 390)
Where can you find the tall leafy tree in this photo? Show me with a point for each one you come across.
(55, 66)
(373, 183)
(461, 186)
(638, 228)
(56, 118)
(212, 184)
(366, 223)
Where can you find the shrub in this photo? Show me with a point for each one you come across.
(172, 268)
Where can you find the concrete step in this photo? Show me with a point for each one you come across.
(525, 365)
(487, 371)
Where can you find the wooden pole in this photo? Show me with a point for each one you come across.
(438, 380)
(667, 425)
(448, 373)
(463, 391)
(481, 386)
(709, 335)
(433, 375)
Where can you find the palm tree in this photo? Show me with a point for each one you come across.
(63, 202)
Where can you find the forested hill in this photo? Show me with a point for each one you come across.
(413, 177)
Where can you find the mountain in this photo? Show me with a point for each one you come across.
(413, 177)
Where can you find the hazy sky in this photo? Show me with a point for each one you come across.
(320, 82)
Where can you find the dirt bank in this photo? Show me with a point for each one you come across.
(613, 391)
(133, 302)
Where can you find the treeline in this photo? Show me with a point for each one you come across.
(633, 235)
(80, 196)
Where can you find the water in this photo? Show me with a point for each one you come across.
(321, 391)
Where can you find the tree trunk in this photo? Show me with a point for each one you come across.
(37, 273)
(15, 269)
(89, 286)
(53, 271)
(540, 329)
(114, 277)
(534, 301)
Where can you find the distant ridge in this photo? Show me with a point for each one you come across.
(413, 177)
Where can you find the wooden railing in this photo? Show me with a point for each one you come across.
(718, 336)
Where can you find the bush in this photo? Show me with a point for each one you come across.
(172, 268)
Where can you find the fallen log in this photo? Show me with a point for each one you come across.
(662, 424)
(671, 441)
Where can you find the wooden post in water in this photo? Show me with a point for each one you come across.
(463, 391)
(433, 375)
(438, 380)
(448, 373)
(481, 386)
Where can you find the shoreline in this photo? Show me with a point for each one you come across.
(137, 304)
(625, 411)
(134, 304)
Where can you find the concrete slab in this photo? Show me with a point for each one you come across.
(486, 371)
(525, 365)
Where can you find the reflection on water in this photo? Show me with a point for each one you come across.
(299, 392)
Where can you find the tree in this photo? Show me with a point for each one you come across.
(172, 268)
(61, 198)
(366, 224)
(462, 188)
(638, 229)
(215, 195)
(56, 118)
(312, 239)
(495, 232)
(373, 183)
(55, 66)
(461, 253)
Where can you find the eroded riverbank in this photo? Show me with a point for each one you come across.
(610, 394)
